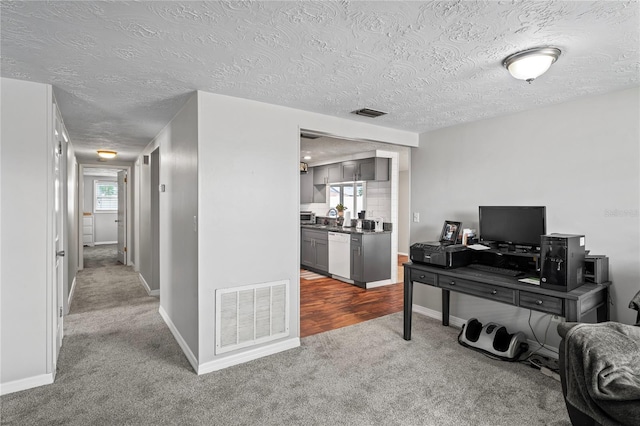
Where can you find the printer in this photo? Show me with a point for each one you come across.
(444, 252)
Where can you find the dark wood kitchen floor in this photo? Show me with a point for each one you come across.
(327, 304)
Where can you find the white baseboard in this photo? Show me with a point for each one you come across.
(150, 292)
(101, 243)
(24, 384)
(459, 322)
(247, 356)
(71, 292)
(403, 254)
(176, 334)
(455, 321)
(380, 283)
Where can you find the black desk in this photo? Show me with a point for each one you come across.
(572, 305)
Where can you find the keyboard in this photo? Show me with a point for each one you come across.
(496, 270)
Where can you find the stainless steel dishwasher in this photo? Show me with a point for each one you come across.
(339, 254)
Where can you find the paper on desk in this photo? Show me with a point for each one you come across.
(478, 247)
(534, 281)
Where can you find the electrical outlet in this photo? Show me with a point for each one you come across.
(416, 217)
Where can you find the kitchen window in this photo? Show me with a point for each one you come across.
(350, 194)
(105, 196)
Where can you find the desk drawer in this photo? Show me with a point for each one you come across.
(423, 277)
(486, 291)
(542, 303)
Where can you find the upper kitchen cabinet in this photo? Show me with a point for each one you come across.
(320, 175)
(306, 187)
(330, 173)
(368, 169)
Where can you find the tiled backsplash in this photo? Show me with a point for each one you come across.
(378, 202)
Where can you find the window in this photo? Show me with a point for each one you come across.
(351, 195)
(105, 196)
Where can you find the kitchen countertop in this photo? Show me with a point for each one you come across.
(342, 230)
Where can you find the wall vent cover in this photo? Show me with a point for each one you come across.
(251, 315)
(368, 112)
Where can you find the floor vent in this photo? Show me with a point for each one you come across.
(251, 315)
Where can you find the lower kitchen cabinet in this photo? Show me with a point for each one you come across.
(314, 250)
(370, 258)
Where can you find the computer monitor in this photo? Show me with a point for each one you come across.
(513, 225)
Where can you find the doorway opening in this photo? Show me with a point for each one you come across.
(103, 206)
(327, 303)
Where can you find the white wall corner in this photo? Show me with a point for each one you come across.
(181, 342)
(155, 293)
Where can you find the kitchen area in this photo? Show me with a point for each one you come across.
(349, 210)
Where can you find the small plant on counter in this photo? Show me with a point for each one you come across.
(340, 207)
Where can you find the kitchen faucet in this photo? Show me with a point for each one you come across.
(332, 212)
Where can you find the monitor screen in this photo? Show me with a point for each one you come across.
(518, 225)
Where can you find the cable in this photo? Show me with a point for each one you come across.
(543, 344)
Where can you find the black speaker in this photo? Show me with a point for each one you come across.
(562, 261)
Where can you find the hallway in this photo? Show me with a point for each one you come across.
(116, 350)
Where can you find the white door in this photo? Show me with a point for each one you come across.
(58, 241)
(122, 217)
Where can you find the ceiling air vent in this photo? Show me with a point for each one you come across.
(309, 136)
(368, 112)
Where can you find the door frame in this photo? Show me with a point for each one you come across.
(81, 208)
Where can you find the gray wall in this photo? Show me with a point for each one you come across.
(249, 157)
(25, 245)
(148, 220)
(105, 229)
(404, 205)
(178, 208)
(71, 241)
(580, 159)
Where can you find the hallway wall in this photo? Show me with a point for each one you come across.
(26, 244)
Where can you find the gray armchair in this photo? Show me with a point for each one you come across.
(600, 371)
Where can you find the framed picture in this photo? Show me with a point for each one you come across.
(450, 231)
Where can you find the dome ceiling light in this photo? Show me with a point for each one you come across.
(531, 63)
(102, 153)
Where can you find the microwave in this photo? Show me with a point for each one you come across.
(308, 217)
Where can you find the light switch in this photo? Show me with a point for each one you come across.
(161, 187)
(416, 217)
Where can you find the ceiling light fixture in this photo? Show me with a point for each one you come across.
(106, 154)
(531, 63)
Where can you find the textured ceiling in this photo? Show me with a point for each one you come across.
(121, 70)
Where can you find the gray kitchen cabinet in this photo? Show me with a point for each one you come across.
(367, 169)
(314, 249)
(370, 258)
(335, 173)
(320, 175)
(350, 170)
(319, 193)
(376, 168)
(306, 187)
